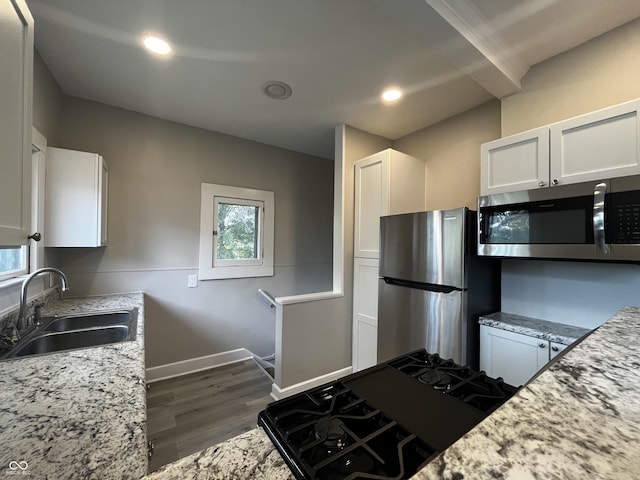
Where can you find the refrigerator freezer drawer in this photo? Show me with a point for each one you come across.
(410, 318)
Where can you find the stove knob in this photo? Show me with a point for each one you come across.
(554, 348)
(542, 345)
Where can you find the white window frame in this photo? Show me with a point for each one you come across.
(209, 268)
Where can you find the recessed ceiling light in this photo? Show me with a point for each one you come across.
(277, 90)
(157, 45)
(391, 95)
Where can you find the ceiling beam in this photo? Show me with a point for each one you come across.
(458, 31)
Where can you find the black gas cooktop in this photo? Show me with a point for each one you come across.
(385, 422)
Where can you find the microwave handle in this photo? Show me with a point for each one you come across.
(598, 217)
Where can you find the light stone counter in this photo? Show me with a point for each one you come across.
(534, 327)
(250, 455)
(78, 414)
(579, 419)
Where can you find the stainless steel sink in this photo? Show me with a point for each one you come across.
(88, 320)
(71, 340)
(71, 332)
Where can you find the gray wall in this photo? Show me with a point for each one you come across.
(602, 72)
(156, 168)
(451, 149)
(316, 336)
(47, 101)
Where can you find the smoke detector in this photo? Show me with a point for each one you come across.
(276, 90)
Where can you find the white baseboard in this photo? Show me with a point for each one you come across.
(277, 393)
(194, 365)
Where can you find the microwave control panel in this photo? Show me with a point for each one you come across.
(624, 218)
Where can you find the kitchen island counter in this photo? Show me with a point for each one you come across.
(246, 456)
(77, 414)
(578, 419)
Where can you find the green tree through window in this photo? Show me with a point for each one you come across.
(237, 231)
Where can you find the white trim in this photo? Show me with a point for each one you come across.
(206, 268)
(308, 297)
(338, 209)
(278, 393)
(193, 365)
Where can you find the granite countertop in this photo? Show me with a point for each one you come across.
(534, 327)
(250, 455)
(579, 419)
(78, 414)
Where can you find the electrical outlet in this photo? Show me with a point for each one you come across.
(192, 281)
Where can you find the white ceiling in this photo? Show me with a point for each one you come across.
(338, 55)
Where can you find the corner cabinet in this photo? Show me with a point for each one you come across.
(16, 87)
(597, 145)
(77, 186)
(386, 183)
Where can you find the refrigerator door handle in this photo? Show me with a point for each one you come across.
(431, 287)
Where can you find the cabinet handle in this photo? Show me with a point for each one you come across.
(542, 183)
(555, 181)
(36, 236)
(542, 345)
(554, 348)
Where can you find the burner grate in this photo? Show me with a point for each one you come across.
(333, 434)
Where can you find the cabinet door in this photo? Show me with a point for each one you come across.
(16, 80)
(597, 145)
(514, 357)
(555, 349)
(517, 162)
(371, 201)
(73, 213)
(365, 312)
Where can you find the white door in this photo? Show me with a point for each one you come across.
(514, 357)
(517, 162)
(365, 312)
(601, 144)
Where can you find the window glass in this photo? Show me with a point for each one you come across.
(237, 231)
(13, 261)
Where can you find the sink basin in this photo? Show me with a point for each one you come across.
(89, 320)
(70, 332)
(58, 341)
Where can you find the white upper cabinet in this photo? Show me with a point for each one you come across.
(386, 183)
(517, 162)
(598, 145)
(16, 85)
(77, 186)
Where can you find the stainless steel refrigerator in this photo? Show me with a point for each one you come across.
(433, 285)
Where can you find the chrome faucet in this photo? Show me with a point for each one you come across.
(22, 321)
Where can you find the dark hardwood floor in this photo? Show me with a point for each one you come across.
(192, 412)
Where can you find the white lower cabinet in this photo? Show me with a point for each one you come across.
(513, 356)
(365, 312)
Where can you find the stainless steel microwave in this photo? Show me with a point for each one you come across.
(597, 220)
